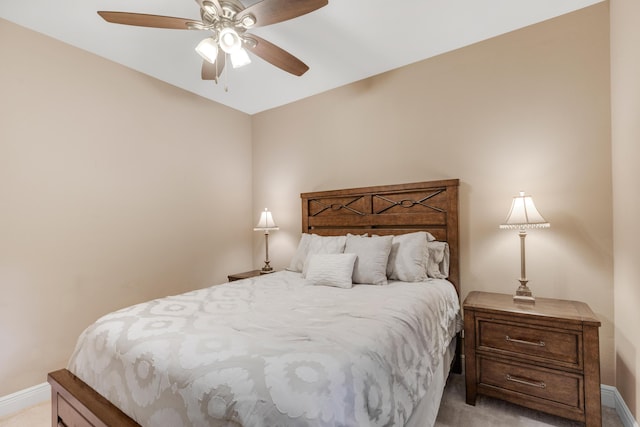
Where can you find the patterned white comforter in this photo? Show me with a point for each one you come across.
(272, 351)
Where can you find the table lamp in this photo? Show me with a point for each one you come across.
(523, 215)
(266, 224)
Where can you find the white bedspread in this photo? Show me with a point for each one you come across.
(272, 351)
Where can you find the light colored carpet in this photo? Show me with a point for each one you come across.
(454, 412)
(35, 416)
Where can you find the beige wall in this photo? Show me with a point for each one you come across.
(100, 182)
(528, 111)
(115, 188)
(625, 126)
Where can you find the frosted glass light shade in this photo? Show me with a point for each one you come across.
(523, 214)
(208, 49)
(229, 40)
(240, 58)
(265, 222)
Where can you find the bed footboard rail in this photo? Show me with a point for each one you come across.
(74, 403)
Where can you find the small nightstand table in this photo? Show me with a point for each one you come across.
(544, 356)
(245, 275)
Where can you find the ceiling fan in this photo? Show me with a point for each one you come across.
(228, 21)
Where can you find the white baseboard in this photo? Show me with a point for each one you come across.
(23, 399)
(608, 395)
(612, 399)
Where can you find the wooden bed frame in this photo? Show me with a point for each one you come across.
(383, 210)
(391, 209)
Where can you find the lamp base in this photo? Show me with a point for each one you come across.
(267, 268)
(524, 294)
(521, 299)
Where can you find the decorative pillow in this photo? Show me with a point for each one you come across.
(373, 254)
(297, 262)
(331, 270)
(408, 257)
(438, 260)
(324, 245)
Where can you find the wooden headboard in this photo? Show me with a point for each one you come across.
(389, 209)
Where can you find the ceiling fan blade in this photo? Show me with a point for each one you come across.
(267, 12)
(213, 71)
(144, 20)
(276, 56)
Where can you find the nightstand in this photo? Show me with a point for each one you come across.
(245, 275)
(544, 356)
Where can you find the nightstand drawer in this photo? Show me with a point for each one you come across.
(530, 342)
(557, 386)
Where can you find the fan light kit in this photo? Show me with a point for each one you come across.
(228, 21)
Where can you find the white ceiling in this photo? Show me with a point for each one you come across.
(343, 42)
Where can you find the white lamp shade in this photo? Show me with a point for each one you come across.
(239, 58)
(523, 214)
(229, 40)
(266, 222)
(208, 49)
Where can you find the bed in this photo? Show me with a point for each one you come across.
(273, 350)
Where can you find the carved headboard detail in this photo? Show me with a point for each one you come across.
(390, 209)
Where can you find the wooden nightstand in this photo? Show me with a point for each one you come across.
(544, 356)
(245, 275)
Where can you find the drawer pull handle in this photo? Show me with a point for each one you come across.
(540, 384)
(538, 344)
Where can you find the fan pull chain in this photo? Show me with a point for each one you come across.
(226, 73)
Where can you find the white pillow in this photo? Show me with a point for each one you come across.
(408, 257)
(297, 262)
(331, 270)
(327, 244)
(324, 245)
(373, 254)
(438, 260)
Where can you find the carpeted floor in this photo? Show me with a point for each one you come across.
(489, 412)
(35, 416)
(454, 412)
